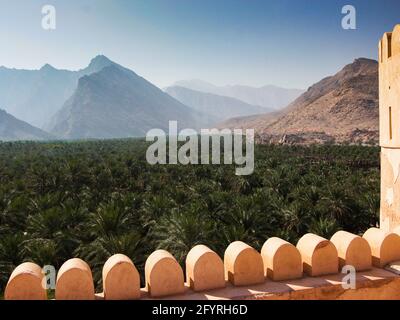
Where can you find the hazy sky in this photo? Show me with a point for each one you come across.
(290, 43)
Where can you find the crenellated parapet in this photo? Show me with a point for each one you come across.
(262, 275)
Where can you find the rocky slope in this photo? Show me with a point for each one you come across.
(12, 129)
(339, 109)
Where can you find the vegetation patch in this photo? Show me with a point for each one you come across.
(93, 199)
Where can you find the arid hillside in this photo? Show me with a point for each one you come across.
(340, 109)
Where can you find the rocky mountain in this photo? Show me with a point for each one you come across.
(269, 97)
(13, 129)
(341, 108)
(35, 96)
(117, 103)
(218, 107)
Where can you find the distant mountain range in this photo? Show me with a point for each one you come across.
(35, 96)
(218, 107)
(339, 109)
(13, 129)
(106, 100)
(269, 97)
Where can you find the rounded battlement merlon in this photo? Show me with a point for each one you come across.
(385, 47)
(395, 41)
(389, 45)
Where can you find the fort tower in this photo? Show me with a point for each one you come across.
(389, 127)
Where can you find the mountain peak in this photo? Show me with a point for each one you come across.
(363, 63)
(365, 60)
(358, 66)
(47, 67)
(114, 102)
(100, 61)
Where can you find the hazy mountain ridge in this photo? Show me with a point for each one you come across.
(341, 108)
(269, 97)
(218, 107)
(115, 103)
(12, 129)
(34, 96)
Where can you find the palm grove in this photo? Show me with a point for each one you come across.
(97, 198)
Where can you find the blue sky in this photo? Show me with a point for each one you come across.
(289, 43)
